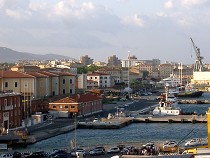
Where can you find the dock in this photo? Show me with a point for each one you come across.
(120, 122)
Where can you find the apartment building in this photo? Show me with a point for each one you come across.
(115, 74)
(102, 79)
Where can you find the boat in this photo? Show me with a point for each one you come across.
(188, 91)
(189, 94)
(167, 106)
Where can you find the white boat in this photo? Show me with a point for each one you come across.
(167, 106)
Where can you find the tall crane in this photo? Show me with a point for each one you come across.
(198, 62)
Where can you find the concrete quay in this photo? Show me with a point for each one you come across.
(186, 101)
(172, 119)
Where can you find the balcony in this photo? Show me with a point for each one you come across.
(10, 107)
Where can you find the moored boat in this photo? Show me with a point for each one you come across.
(189, 94)
(167, 106)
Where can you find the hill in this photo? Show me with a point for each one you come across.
(9, 55)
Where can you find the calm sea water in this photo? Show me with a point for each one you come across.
(134, 133)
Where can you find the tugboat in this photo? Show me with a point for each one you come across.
(166, 106)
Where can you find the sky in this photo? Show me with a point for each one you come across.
(148, 29)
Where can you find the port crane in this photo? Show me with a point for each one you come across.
(198, 62)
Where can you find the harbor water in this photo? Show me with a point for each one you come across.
(134, 133)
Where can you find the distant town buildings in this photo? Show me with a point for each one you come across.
(85, 60)
(113, 61)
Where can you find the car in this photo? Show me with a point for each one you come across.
(95, 120)
(170, 144)
(196, 141)
(97, 152)
(148, 145)
(38, 154)
(6, 155)
(58, 153)
(77, 151)
(114, 150)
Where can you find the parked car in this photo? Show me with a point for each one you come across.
(75, 152)
(39, 154)
(148, 145)
(59, 153)
(6, 155)
(95, 120)
(97, 152)
(170, 144)
(113, 150)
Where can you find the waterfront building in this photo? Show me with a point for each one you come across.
(83, 105)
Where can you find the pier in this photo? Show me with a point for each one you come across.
(120, 122)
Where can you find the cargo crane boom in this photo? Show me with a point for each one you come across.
(198, 62)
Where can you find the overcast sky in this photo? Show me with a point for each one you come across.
(149, 29)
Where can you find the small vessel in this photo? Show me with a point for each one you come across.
(189, 94)
(167, 106)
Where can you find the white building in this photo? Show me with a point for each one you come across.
(103, 79)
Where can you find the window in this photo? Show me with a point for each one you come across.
(105, 77)
(64, 81)
(64, 91)
(70, 81)
(54, 107)
(70, 91)
(91, 77)
(16, 84)
(6, 84)
(101, 77)
(66, 106)
(72, 106)
(5, 102)
(95, 77)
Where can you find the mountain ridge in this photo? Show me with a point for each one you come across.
(9, 55)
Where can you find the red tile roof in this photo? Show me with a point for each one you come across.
(51, 74)
(37, 74)
(79, 98)
(14, 74)
(97, 74)
(64, 73)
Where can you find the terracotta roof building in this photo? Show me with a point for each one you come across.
(83, 105)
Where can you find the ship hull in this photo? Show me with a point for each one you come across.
(189, 94)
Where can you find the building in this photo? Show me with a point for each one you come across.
(85, 60)
(113, 61)
(131, 61)
(165, 70)
(10, 110)
(103, 79)
(115, 74)
(82, 83)
(82, 105)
